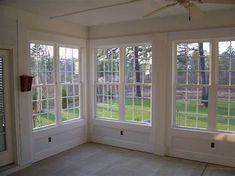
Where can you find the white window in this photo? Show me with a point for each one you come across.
(225, 110)
(43, 89)
(123, 83)
(192, 84)
(138, 81)
(55, 92)
(107, 83)
(69, 83)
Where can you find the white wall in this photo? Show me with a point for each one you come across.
(62, 138)
(15, 34)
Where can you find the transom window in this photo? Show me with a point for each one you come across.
(55, 92)
(123, 83)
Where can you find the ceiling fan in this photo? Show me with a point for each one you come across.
(190, 5)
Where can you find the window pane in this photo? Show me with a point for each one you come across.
(192, 107)
(193, 63)
(64, 114)
(76, 101)
(107, 103)
(138, 64)
(108, 64)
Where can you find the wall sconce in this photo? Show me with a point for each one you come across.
(25, 83)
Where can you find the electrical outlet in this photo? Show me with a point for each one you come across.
(49, 139)
(212, 145)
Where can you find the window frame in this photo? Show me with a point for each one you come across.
(134, 84)
(228, 86)
(57, 84)
(174, 83)
(213, 83)
(41, 85)
(122, 83)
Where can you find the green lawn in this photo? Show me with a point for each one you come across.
(45, 120)
(139, 111)
(134, 111)
(199, 119)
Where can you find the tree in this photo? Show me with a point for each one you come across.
(187, 62)
(137, 71)
(107, 64)
(135, 62)
(203, 76)
(41, 62)
(227, 63)
(64, 100)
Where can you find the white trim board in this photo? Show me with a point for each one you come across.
(58, 149)
(124, 144)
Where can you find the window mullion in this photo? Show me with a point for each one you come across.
(213, 86)
(81, 80)
(122, 85)
(57, 86)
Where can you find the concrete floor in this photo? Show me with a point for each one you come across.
(100, 160)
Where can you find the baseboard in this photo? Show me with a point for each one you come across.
(13, 169)
(58, 149)
(123, 144)
(203, 157)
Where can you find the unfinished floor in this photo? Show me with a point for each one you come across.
(101, 160)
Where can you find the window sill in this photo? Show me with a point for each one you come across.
(55, 129)
(179, 131)
(122, 125)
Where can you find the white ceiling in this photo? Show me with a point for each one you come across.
(133, 11)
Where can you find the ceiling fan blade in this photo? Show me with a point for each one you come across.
(96, 8)
(219, 1)
(160, 9)
(195, 11)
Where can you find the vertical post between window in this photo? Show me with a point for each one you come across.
(57, 85)
(122, 85)
(213, 87)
